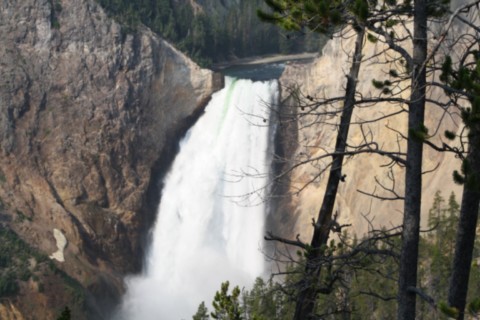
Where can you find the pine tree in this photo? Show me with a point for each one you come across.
(65, 315)
(463, 84)
(227, 306)
(202, 312)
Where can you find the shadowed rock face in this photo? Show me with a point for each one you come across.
(87, 112)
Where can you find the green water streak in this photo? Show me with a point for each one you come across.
(226, 104)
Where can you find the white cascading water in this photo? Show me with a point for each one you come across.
(210, 222)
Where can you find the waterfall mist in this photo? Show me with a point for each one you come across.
(210, 222)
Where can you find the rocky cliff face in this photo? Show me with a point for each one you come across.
(87, 113)
(325, 77)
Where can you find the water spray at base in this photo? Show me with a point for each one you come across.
(202, 235)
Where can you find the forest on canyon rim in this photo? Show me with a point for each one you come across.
(212, 31)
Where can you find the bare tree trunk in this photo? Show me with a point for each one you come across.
(305, 306)
(467, 225)
(413, 175)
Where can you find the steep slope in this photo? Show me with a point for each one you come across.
(88, 117)
(325, 77)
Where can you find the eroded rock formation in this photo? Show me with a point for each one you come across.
(87, 113)
(325, 77)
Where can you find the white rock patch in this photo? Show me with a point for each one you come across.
(61, 244)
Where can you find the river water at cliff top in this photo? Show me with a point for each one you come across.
(262, 69)
(256, 72)
(210, 222)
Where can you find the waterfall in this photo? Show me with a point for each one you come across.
(210, 222)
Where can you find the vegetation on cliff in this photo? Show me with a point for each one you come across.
(214, 32)
(368, 287)
(403, 46)
(27, 276)
(86, 121)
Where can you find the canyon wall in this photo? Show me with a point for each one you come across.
(367, 172)
(89, 116)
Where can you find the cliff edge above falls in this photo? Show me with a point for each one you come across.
(87, 113)
(310, 136)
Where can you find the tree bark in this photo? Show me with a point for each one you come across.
(466, 232)
(413, 175)
(305, 305)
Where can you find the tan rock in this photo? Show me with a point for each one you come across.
(325, 77)
(9, 312)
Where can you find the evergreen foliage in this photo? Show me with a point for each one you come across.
(267, 301)
(15, 258)
(65, 315)
(328, 16)
(227, 306)
(202, 312)
(464, 82)
(20, 263)
(209, 36)
(366, 288)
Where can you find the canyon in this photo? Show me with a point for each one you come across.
(90, 118)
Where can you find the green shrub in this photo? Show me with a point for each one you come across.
(8, 285)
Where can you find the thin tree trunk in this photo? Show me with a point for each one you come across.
(413, 175)
(466, 232)
(305, 306)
